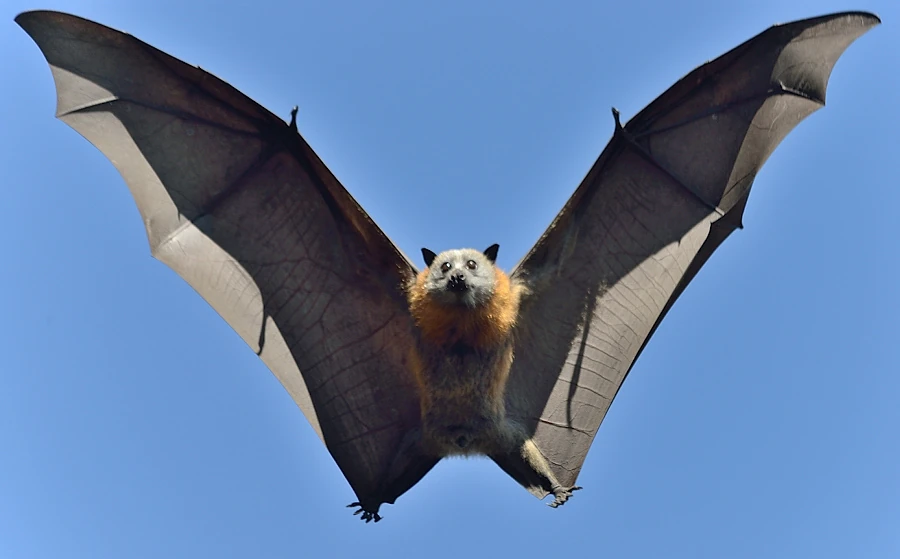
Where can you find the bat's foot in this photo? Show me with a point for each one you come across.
(367, 515)
(562, 495)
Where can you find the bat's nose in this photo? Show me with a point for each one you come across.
(457, 282)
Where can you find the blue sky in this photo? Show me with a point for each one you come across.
(761, 421)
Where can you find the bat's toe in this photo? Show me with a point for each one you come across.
(366, 514)
(562, 495)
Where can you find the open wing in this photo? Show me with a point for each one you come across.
(667, 190)
(236, 202)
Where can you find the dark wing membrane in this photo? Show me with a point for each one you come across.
(239, 206)
(666, 191)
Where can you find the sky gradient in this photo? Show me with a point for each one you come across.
(761, 420)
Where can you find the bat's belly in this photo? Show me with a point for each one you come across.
(463, 408)
(462, 425)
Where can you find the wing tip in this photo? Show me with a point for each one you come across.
(34, 22)
(26, 19)
(853, 19)
(32, 18)
(865, 18)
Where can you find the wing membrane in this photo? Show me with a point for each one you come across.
(668, 189)
(240, 207)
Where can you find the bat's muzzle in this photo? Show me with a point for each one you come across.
(457, 283)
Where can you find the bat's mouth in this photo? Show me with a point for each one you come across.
(463, 296)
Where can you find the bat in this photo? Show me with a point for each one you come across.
(396, 368)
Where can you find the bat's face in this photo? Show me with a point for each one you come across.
(461, 277)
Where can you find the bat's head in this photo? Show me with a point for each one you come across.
(462, 276)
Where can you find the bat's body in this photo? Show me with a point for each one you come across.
(395, 368)
(465, 311)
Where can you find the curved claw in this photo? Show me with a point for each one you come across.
(562, 495)
(367, 515)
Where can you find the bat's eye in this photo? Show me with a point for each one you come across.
(445, 267)
(471, 265)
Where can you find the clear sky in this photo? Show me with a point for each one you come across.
(761, 421)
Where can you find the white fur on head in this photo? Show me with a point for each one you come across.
(461, 277)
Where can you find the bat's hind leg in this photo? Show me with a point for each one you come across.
(528, 466)
(408, 466)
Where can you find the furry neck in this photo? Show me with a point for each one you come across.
(483, 327)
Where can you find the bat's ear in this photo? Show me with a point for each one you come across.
(428, 256)
(491, 252)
